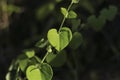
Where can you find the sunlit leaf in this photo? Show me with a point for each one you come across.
(64, 12)
(59, 40)
(40, 72)
(33, 73)
(30, 53)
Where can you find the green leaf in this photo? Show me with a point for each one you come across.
(23, 64)
(72, 14)
(75, 1)
(64, 12)
(46, 71)
(40, 72)
(8, 76)
(75, 24)
(57, 60)
(33, 73)
(109, 14)
(96, 23)
(59, 40)
(30, 53)
(76, 40)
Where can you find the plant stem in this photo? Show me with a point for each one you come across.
(45, 57)
(65, 17)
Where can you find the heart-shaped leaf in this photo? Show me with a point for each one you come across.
(30, 53)
(96, 23)
(109, 14)
(64, 11)
(71, 14)
(43, 72)
(33, 73)
(59, 40)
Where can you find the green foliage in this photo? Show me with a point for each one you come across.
(97, 23)
(57, 60)
(68, 14)
(75, 24)
(109, 14)
(30, 53)
(64, 12)
(39, 72)
(12, 8)
(42, 43)
(23, 64)
(72, 14)
(76, 41)
(33, 73)
(59, 40)
(41, 12)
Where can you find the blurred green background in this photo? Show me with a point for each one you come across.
(95, 54)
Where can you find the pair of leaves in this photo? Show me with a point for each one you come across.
(69, 15)
(39, 72)
(96, 23)
(59, 40)
(109, 14)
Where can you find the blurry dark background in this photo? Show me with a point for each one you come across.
(99, 56)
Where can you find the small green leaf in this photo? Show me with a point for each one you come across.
(57, 60)
(23, 64)
(72, 14)
(59, 40)
(76, 41)
(33, 73)
(30, 53)
(8, 76)
(75, 1)
(64, 12)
